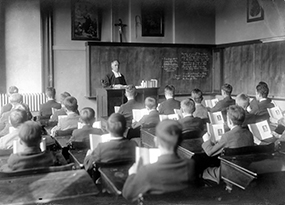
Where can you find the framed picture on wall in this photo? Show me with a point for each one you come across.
(85, 20)
(152, 19)
(255, 11)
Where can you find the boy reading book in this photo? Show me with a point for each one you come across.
(66, 124)
(152, 118)
(167, 107)
(170, 173)
(116, 149)
(189, 122)
(200, 110)
(31, 155)
(80, 137)
(236, 137)
(227, 100)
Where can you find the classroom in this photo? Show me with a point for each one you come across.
(221, 47)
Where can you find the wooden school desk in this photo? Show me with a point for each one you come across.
(240, 170)
(76, 156)
(46, 187)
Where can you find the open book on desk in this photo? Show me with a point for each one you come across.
(216, 131)
(147, 155)
(211, 103)
(216, 117)
(261, 131)
(275, 114)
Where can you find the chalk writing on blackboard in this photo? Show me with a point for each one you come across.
(170, 64)
(194, 61)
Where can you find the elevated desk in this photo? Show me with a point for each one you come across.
(186, 149)
(44, 188)
(76, 156)
(240, 170)
(108, 98)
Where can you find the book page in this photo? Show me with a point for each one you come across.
(216, 117)
(148, 155)
(97, 124)
(178, 112)
(116, 109)
(173, 117)
(95, 140)
(264, 130)
(162, 117)
(275, 113)
(138, 114)
(216, 131)
(260, 130)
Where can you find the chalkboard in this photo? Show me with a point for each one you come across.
(245, 66)
(184, 66)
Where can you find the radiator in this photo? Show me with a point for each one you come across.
(33, 100)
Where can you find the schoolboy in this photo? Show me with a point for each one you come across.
(169, 174)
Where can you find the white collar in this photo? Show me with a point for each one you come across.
(262, 99)
(186, 115)
(117, 74)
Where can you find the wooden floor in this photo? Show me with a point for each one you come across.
(267, 190)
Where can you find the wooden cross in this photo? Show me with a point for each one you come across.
(121, 26)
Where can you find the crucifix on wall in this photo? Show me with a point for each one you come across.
(120, 26)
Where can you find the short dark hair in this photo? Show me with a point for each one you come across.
(242, 100)
(131, 90)
(197, 95)
(117, 124)
(31, 133)
(150, 103)
(263, 90)
(227, 88)
(169, 134)
(70, 103)
(188, 105)
(63, 96)
(17, 117)
(236, 114)
(170, 90)
(87, 115)
(50, 92)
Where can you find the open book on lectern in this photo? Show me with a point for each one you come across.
(147, 155)
(260, 131)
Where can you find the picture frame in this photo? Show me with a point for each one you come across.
(152, 20)
(255, 11)
(85, 20)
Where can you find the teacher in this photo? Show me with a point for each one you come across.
(114, 79)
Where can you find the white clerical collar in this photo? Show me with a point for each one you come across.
(117, 74)
(262, 99)
(186, 115)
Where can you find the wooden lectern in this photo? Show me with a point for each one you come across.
(108, 98)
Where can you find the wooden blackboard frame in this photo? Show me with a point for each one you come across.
(90, 91)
